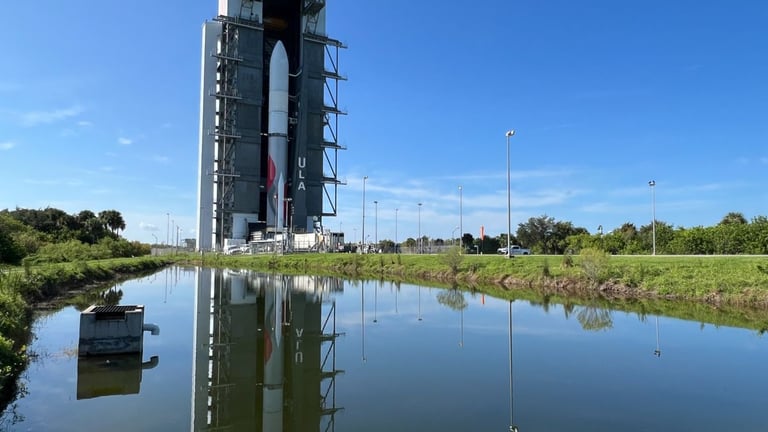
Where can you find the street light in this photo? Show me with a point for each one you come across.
(396, 248)
(652, 184)
(363, 234)
(461, 223)
(168, 229)
(453, 235)
(376, 223)
(419, 241)
(509, 199)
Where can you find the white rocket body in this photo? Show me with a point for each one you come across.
(273, 358)
(277, 130)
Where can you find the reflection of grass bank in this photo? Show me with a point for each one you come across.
(22, 289)
(723, 290)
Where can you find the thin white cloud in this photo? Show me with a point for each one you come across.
(160, 159)
(84, 123)
(107, 169)
(764, 160)
(124, 141)
(148, 226)
(7, 145)
(35, 118)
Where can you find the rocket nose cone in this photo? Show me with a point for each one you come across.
(278, 62)
(279, 50)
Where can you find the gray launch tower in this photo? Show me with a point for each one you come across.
(268, 158)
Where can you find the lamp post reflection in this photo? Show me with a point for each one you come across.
(461, 326)
(419, 302)
(512, 426)
(375, 300)
(657, 351)
(362, 318)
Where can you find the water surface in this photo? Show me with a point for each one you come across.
(250, 351)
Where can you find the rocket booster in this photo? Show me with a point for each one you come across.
(277, 131)
(273, 357)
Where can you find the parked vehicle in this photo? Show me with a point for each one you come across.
(515, 250)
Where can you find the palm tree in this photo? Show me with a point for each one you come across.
(113, 220)
(733, 218)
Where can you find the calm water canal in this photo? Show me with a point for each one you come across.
(244, 351)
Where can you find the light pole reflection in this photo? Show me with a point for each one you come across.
(362, 318)
(375, 301)
(419, 302)
(512, 426)
(657, 351)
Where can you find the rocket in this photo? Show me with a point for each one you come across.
(273, 357)
(277, 132)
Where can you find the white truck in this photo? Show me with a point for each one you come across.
(514, 250)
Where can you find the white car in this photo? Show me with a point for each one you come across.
(515, 250)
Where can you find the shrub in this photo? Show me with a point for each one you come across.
(594, 264)
(453, 258)
(545, 270)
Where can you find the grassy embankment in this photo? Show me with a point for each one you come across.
(722, 290)
(22, 289)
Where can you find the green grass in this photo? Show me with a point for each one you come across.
(722, 290)
(22, 288)
(726, 279)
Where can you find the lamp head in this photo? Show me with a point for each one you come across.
(652, 183)
(510, 133)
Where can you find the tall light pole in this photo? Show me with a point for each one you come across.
(376, 223)
(363, 234)
(652, 184)
(509, 198)
(168, 228)
(396, 248)
(418, 243)
(453, 236)
(461, 223)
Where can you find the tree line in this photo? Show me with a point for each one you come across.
(53, 235)
(734, 234)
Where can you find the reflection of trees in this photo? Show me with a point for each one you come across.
(110, 297)
(452, 298)
(594, 318)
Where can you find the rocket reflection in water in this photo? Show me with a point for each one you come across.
(264, 352)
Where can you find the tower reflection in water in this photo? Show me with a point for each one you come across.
(265, 352)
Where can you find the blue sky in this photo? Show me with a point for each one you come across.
(99, 110)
